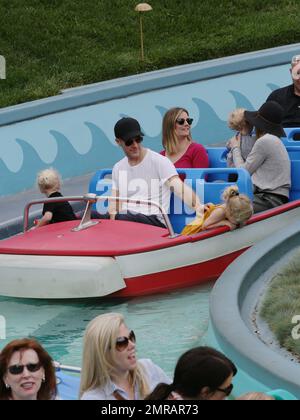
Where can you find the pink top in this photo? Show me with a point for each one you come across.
(195, 157)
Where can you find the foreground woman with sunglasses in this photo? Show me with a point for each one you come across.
(177, 141)
(110, 369)
(26, 372)
(200, 374)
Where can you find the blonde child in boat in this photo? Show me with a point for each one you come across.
(235, 212)
(238, 123)
(49, 184)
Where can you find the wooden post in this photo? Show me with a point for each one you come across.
(142, 37)
(141, 8)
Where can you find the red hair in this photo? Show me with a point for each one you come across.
(48, 389)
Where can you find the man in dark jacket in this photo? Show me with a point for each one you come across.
(289, 97)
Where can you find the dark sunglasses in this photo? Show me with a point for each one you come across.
(122, 342)
(18, 369)
(227, 391)
(181, 121)
(131, 141)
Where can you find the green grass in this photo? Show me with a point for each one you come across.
(50, 45)
(282, 303)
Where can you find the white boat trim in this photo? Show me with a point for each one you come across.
(192, 253)
(59, 277)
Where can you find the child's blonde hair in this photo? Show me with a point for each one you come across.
(236, 119)
(48, 179)
(238, 206)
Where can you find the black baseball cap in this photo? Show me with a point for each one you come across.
(128, 128)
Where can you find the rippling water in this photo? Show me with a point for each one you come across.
(165, 325)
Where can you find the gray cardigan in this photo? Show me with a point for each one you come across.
(268, 164)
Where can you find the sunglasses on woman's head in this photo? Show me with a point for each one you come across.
(18, 369)
(227, 391)
(181, 121)
(130, 142)
(122, 342)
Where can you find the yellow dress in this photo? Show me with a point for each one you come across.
(196, 225)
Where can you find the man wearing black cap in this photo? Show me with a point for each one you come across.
(268, 163)
(289, 97)
(144, 175)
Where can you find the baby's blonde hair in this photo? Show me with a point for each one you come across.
(238, 206)
(48, 179)
(236, 119)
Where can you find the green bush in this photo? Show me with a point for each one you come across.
(282, 303)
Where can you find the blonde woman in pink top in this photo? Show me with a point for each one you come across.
(177, 141)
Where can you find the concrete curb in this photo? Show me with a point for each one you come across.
(230, 316)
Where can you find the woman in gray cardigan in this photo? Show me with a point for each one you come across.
(268, 163)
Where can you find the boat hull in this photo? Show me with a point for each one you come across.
(161, 267)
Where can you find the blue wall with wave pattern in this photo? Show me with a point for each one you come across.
(81, 140)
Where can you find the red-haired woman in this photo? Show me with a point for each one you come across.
(26, 372)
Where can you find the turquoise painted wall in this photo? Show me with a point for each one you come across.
(79, 141)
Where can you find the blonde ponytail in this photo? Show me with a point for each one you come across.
(238, 206)
(230, 192)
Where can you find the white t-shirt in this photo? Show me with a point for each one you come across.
(145, 181)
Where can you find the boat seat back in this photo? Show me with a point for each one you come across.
(101, 184)
(198, 179)
(292, 137)
(295, 177)
(217, 156)
(209, 185)
(217, 159)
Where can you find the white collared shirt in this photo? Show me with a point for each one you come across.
(155, 375)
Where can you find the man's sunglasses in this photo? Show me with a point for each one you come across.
(227, 391)
(130, 142)
(181, 121)
(18, 369)
(122, 342)
(296, 59)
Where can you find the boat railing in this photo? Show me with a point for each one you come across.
(66, 368)
(90, 199)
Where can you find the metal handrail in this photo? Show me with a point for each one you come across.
(73, 369)
(47, 200)
(145, 202)
(91, 199)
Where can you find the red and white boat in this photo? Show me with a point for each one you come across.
(124, 259)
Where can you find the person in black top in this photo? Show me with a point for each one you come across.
(289, 98)
(49, 184)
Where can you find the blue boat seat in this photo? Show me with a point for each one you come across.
(100, 184)
(289, 139)
(198, 179)
(68, 385)
(209, 185)
(217, 157)
(295, 176)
